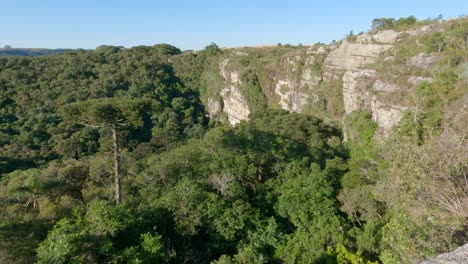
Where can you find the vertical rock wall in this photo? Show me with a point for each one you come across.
(362, 90)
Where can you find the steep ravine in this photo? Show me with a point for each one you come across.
(301, 80)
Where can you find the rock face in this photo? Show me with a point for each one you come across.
(289, 98)
(423, 61)
(294, 84)
(361, 86)
(213, 107)
(380, 86)
(460, 255)
(386, 36)
(234, 103)
(292, 91)
(386, 116)
(353, 97)
(357, 96)
(293, 94)
(351, 56)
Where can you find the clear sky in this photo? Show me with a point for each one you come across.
(195, 24)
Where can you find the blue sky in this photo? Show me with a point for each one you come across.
(195, 24)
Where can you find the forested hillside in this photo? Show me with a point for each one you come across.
(284, 154)
(8, 51)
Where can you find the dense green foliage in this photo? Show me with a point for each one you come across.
(34, 89)
(400, 24)
(280, 188)
(8, 51)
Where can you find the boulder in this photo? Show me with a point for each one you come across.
(416, 80)
(459, 255)
(380, 86)
(423, 61)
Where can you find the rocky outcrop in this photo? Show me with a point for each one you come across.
(354, 94)
(420, 31)
(385, 115)
(292, 85)
(295, 89)
(357, 55)
(351, 56)
(289, 98)
(361, 86)
(380, 86)
(358, 96)
(382, 37)
(234, 103)
(213, 107)
(291, 92)
(459, 255)
(386, 36)
(423, 61)
(416, 80)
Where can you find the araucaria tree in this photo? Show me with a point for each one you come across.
(114, 113)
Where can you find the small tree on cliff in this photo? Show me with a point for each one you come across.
(114, 113)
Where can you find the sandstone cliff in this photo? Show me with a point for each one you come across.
(352, 75)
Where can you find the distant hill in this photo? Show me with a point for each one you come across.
(7, 52)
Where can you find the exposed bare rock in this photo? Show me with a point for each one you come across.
(234, 103)
(310, 60)
(353, 81)
(386, 116)
(293, 61)
(309, 78)
(294, 93)
(214, 107)
(222, 67)
(380, 86)
(290, 91)
(382, 37)
(458, 256)
(364, 38)
(290, 99)
(316, 50)
(229, 76)
(351, 56)
(386, 36)
(416, 80)
(423, 61)
(420, 31)
(357, 97)
(241, 53)
(292, 86)
(330, 76)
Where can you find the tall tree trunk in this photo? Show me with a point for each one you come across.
(117, 177)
